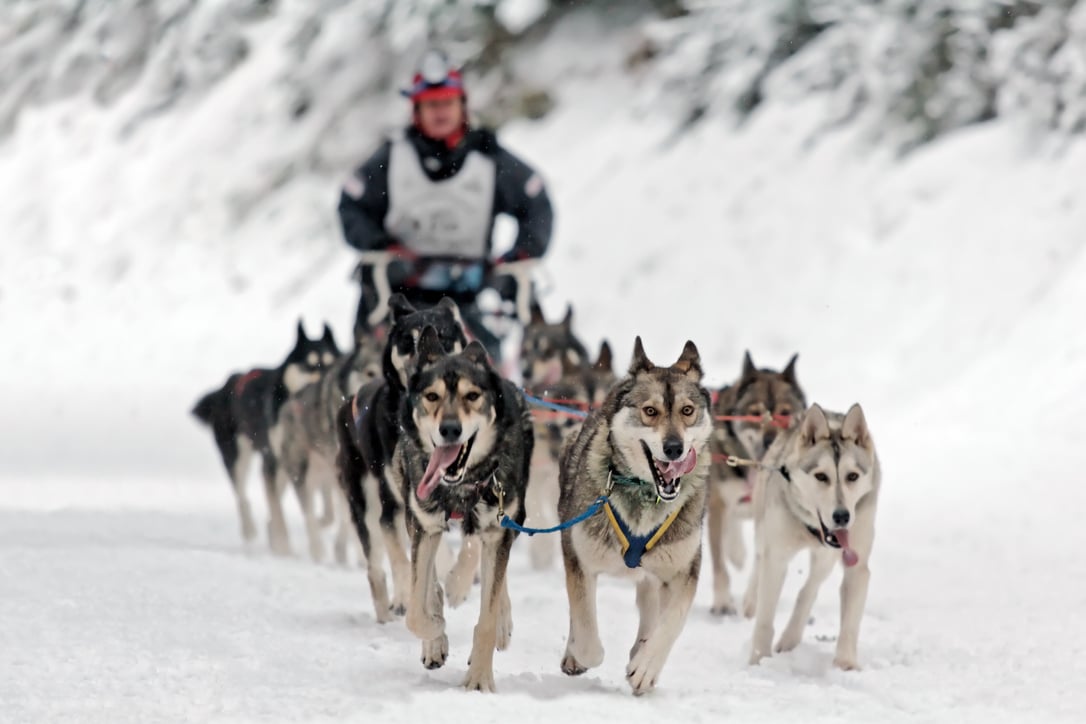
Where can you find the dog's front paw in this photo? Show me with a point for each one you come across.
(724, 607)
(789, 640)
(435, 652)
(424, 627)
(846, 663)
(397, 608)
(589, 655)
(757, 653)
(572, 667)
(479, 679)
(643, 669)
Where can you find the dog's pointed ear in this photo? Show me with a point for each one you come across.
(749, 370)
(536, 317)
(689, 362)
(814, 427)
(399, 307)
(604, 362)
(328, 336)
(640, 363)
(429, 349)
(855, 427)
(567, 321)
(475, 353)
(450, 305)
(789, 373)
(300, 332)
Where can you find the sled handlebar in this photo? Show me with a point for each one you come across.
(521, 272)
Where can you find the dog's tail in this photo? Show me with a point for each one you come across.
(204, 410)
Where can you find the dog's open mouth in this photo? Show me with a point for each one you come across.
(667, 474)
(447, 465)
(838, 538)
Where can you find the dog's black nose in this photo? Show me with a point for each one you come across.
(768, 438)
(450, 430)
(841, 517)
(673, 449)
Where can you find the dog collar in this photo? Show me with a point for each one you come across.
(634, 547)
(645, 489)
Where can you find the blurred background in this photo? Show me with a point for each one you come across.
(892, 189)
(895, 190)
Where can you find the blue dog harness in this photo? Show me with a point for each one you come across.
(634, 547)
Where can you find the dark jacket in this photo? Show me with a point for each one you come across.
(518, 191)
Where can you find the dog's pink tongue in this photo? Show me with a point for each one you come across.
(441, 458)
(675, 469)
(848, 556)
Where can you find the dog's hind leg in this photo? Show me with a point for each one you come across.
(822, 561)
(278, 538)
(328, 507)
(750, 597)
(394, 530)
(541, 504)
(425, 614)
(346, 537)
(676, 597)
(462, 575)
(584, 650)
(495, 562)
(375, 550)
(505, 617)
(237, 454)
(718, 522)
(302, 480)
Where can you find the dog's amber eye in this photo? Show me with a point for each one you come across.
(472, 396)
(649, 411)
(432, 397)
(822, 477)
(785, 412)
(687, 410)
(852, 477)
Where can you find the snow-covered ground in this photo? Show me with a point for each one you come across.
(943, 291)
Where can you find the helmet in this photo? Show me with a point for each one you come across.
(436, 78)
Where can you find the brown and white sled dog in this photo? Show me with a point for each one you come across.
(817, 489)
(463, 454)
(646, 449)
(764, 397)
